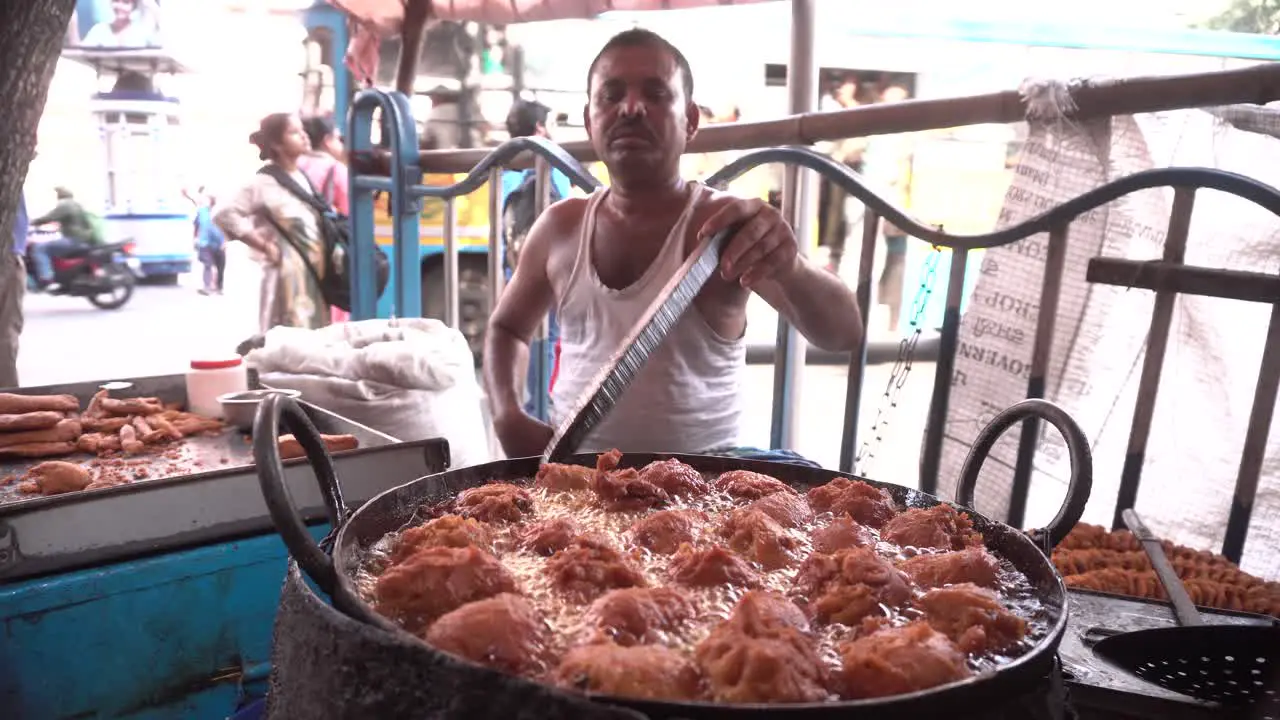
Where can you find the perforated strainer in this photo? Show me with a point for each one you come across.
(1234, 665)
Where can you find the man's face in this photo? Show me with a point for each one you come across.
(122, 9)
(637, 115)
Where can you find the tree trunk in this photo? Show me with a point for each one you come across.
(31, 34)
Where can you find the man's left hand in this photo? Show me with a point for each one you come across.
(763, 248)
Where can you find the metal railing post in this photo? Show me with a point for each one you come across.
(797, 199)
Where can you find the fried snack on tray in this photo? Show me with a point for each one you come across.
(67, 430)
(38, 449)
(15, 404)
(1263, 598)
(38, 420)
(738, 591)
(56, 477)
(291, 449)
(1094, 558)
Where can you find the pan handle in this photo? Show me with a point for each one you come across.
(1078, 487)
(273, 411)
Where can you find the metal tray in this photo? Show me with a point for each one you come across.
(208, 493)
(1097, 685)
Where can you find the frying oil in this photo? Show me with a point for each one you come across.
(565, 616)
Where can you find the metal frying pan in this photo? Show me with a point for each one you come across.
(1234, 665)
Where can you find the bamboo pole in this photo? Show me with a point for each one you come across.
(1258, 84)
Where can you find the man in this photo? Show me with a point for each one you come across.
(528, 118)
(210, 244)
(889, 163)
(833, 221)
(602, 260)
(13, 282)
(76, 229)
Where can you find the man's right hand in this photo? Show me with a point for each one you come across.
(522, 435)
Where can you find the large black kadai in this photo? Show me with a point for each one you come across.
(344, 660)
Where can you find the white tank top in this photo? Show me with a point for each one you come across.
(687, 397)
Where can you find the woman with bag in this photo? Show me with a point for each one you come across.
(281, 228)
(324, 167)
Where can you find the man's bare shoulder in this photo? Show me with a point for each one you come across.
(562, 216)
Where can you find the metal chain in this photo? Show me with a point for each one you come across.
(901, 366)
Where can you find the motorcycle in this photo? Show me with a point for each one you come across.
(105, 274)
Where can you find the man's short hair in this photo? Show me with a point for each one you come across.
(639, 37)
(525, 117)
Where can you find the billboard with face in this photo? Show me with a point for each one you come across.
(115, 25)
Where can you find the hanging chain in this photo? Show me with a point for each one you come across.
(901, 366)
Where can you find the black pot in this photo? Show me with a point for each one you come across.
(347, 661)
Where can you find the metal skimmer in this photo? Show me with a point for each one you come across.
(1234, 665)
(645, 337)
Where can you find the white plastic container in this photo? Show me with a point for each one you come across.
(209, 379)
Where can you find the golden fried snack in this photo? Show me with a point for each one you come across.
(711, 566)
(841, 533)
(38, 420)
(549, 536)
(495, 503)
(56, 477)
(636, 616)
(67, 430)
(971, 565)
(162, 424)
(940, 527)
(503, 632)
(748, 485)
(647, 672)
(674, 478)
(129, 442)
(15, 404)
(760, 656)
(445, 531)
(625, 489)
(759, 610)
(790, 510)
(188, 424)
(589, 567)
(290, 448)
(129, 406)
(665, 531)
(437, 580)
(972, 617)
(561, 477)
(38, 449)
(900, 660)
(755, 535)
(849, 585)
(869, 505)
(104, 425)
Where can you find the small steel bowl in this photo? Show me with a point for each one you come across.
(240, 408)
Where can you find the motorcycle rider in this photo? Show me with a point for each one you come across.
(76, 231)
